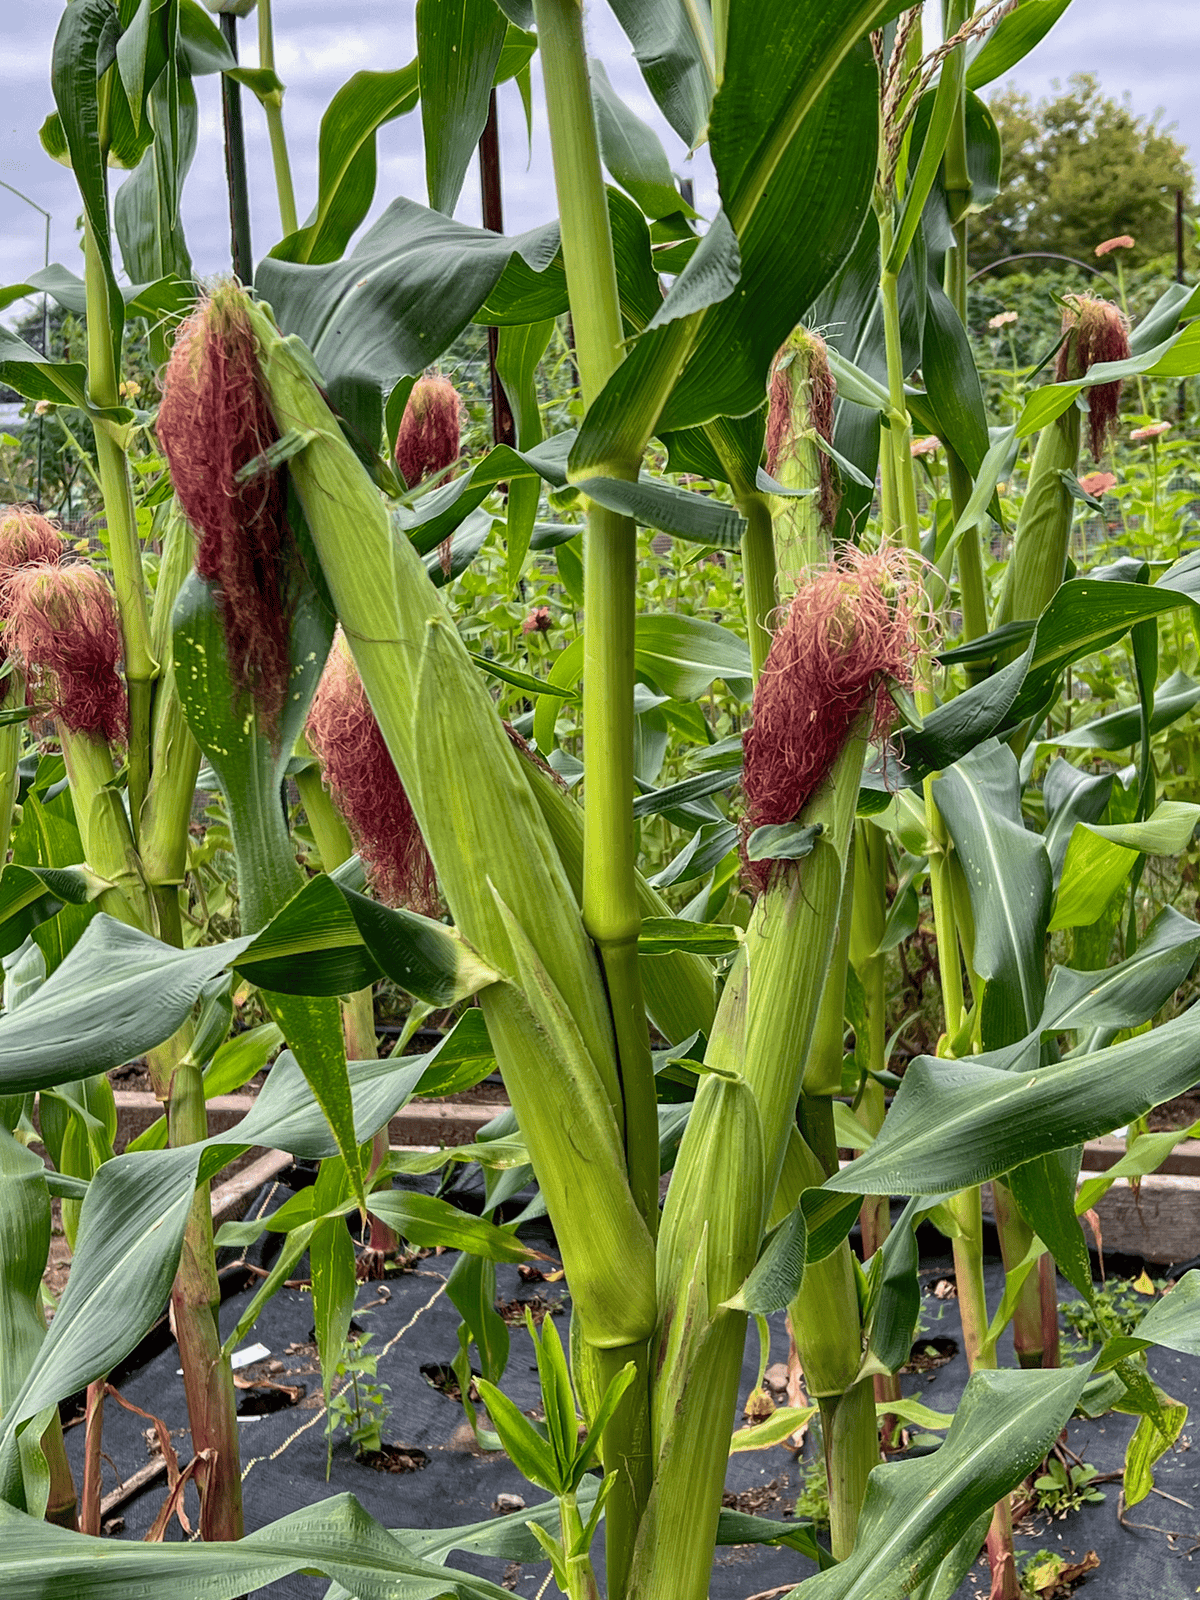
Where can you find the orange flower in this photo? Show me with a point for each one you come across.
(1123, 241)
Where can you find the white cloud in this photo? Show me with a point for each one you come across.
(1149, 50)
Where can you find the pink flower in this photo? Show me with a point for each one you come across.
(1153, 430)
(926, 447)
(1002, 319)
(538, 620)
(1123, 241)
(1097, 482)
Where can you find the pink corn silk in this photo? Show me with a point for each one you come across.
(214, 420)
(366, 787)
(428, 440)
(26, 539)
(848, 630)
(810, 360)
(62, 626)
(1096, 331)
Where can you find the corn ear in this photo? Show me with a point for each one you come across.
(11, 736)
(789, 943)
(823, 1069)
(494, 856)
(175, 755)
(1043, 535)
(104, 829)
(610, 1266)
(708, 1241)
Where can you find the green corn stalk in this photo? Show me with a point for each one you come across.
(24, 1250)
(610, 904)
(957, 184)
(116, 486)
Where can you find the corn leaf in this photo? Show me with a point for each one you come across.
(954, 1124)
(1008, 877)
(335, 1537)
(915, 1512)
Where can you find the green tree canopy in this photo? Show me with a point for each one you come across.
(1079, 168)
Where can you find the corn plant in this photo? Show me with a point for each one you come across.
(282, 411)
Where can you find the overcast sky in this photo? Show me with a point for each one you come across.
(1148, 48)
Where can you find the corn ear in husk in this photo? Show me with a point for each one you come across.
(495, 858)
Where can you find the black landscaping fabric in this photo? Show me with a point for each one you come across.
(414, 1325)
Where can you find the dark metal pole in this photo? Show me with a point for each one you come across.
(235, 161)
(1179, 279)
(503, 428)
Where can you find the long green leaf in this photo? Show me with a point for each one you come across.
(955, 1124)
(402, 296)
(1011, 40)
(632, 151)
(458, 48)
(346, 161)
(916, 1511)
(1130, 993)
(335, 1537)
(675, 58)
(1008, 877)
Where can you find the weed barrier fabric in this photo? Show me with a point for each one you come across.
(414, 1325)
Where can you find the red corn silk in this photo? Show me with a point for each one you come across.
(63, 628)
(214, 420)
(362, 778)
(849, 629)
(428, 440)
(1096, 331)
(26, 539)
(801, 373)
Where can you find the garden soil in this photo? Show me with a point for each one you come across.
(445, 1480)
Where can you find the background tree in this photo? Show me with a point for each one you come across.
(1081, 167)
